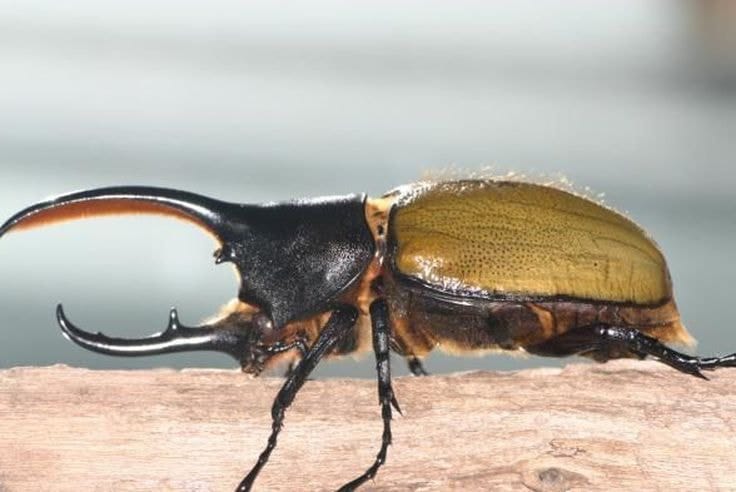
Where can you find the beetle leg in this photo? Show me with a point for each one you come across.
(416, 367)
(637, 342)
(290, 368)
(414, 363)
(381, 335)
(603, 342)
(341, 321)
(279, 347)
(711, 363)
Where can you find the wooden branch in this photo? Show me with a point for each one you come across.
(619, 426)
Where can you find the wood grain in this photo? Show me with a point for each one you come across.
(619, 426)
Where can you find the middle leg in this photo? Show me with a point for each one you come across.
(381, 341)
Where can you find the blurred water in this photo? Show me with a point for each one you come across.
(254, 102)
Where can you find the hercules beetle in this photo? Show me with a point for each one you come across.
(466, 265)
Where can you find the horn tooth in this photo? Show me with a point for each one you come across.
(225, 253)
(218, 256)
(229, 340)
(173, 320)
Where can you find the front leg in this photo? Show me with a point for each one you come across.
(300, 343)
(341, 321)
(386, 398)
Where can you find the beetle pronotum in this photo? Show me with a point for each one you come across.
(464, 265)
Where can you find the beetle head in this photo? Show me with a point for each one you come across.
(294, 259)
(238, 334)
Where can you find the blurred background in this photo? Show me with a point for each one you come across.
(254, 101)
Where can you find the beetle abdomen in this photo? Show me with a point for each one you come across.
(428, 323)
(495, 239)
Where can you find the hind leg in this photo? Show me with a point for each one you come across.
(638, 343)
(415, 366)
(413, 362)
(604, 342)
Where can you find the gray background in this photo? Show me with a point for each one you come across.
(266, 101)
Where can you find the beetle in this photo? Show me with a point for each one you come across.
(464, 265)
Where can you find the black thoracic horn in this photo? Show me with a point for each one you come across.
(216, 217)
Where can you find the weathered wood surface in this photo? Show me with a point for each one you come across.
(618, 426)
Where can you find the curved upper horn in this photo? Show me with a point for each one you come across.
(212, 215)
